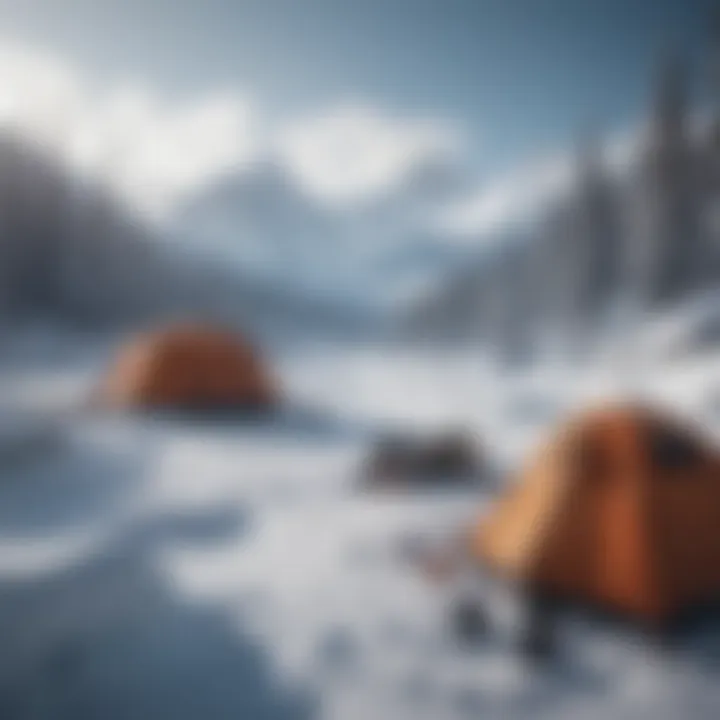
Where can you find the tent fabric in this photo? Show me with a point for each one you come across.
(188, 366)
(621, 508)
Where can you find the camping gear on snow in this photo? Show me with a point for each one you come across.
(188, 366)
(400, 461)
(537, 638)
(468, 620)
(620, 510)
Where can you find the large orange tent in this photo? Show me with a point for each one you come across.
(621, 509)
(188, 366)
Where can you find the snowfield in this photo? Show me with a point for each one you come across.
(178, 568)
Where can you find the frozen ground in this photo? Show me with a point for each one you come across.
(159, 568)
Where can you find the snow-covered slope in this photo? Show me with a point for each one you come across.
(168, 568)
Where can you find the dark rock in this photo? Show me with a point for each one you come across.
(403, 461)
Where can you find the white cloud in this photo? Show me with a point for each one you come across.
(155, 153)
(37, 92)
(151, 151)
(354, 153)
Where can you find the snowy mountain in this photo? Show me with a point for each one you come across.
(261, 221)
(71, 252)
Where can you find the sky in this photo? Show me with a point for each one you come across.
(521, 75)
(353, 98)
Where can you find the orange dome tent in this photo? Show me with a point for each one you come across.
(621, 509)
(187, 366)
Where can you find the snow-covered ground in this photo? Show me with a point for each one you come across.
(159, 568)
